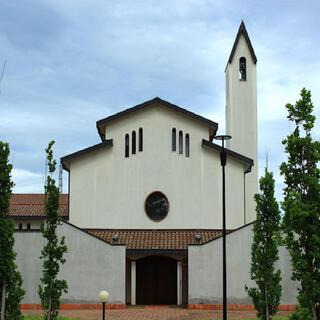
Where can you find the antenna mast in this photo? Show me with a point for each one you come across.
(60, 178)
(45, 175)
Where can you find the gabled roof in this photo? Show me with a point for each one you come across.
(242, 31)
(31, 206)
(66, 159)
(102, 123)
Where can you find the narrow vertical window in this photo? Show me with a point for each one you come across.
(140, 139)
(187, 145)
(180, 142)
(174, 139)
(134, 142)
(126, 141)
(20, 226)
(242, 69)
(28, 226)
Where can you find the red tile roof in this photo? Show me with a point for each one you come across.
(32, 205)
(156, 239)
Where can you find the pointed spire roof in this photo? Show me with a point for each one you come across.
(242, 31)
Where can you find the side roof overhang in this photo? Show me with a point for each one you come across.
(101, 124)
(65, 161)
(242, 31)
(245, 160)
(229, 232)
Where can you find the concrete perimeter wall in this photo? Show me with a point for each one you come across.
(91, 266)
(205, 271)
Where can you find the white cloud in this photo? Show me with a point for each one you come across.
(27, 181)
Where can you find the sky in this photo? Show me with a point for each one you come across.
(69, 63)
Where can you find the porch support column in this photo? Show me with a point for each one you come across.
(179, 282)
(133, 282)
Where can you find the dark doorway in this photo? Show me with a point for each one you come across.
(156, 280)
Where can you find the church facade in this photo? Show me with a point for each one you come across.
(151, 193)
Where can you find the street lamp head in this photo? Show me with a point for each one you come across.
(222, 137)
(104, 296)
(223, 155)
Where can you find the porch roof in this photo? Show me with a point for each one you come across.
(147, 239)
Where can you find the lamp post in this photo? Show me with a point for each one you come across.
(103, 297)
(223, 161)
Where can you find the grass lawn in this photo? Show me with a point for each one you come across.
(33, 317)
(29, 317)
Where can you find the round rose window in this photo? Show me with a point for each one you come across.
(157, 206)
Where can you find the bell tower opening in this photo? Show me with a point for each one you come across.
(242, 69)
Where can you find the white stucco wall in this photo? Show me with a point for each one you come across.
(108, 190)
(205, 270)
(241, 116)
(91, 266)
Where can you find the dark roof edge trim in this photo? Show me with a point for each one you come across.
(29, 218)
(34, 218)
(242, 30)
(90, 234)
(227, 234)
(156, 250)
(34, 194)
(151, 230)
(27, 231)
(100, 123)
(250, 162)
(64, 160)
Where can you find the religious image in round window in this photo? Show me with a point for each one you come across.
(157, 206)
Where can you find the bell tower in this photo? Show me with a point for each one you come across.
(241, 111)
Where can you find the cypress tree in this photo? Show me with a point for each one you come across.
(11, 292)
(264, 251)
(301, 205)
(52, 253)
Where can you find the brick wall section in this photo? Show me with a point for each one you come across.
(74, 306)
(285, 307)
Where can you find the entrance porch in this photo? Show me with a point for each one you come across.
(157, 277)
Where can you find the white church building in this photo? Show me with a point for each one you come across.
(143, 216)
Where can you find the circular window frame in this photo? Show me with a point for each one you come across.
(150, 215)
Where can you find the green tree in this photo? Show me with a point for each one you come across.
(10, 279)
(264, 251)
(52, 253)
(301, 205)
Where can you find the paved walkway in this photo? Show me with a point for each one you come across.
(166, 313)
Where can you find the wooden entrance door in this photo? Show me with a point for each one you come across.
(156, 281)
